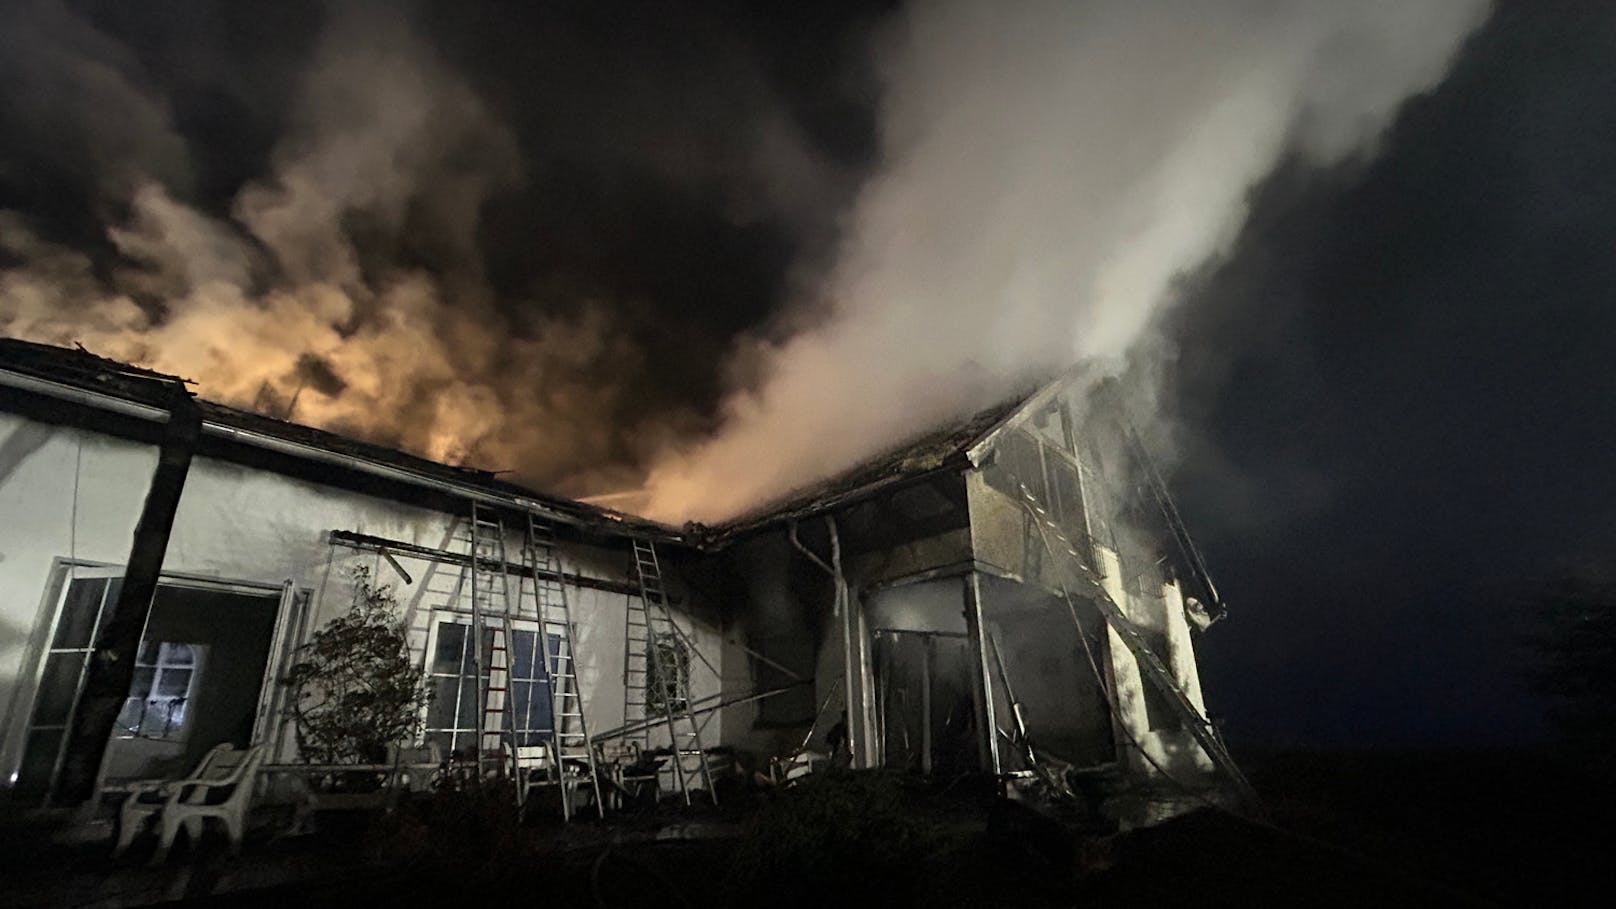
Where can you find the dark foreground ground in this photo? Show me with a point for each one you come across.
(1503, 828)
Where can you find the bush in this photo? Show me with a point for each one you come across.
(355, 690)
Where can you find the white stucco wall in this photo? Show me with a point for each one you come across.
(241, 524)
(48, 470)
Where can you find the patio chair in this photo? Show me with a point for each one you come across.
(221, 787)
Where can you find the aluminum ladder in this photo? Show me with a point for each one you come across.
(650, 640)
(490, 639)
(1070, 560)
(570, 744)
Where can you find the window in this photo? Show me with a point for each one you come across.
(1065, 494)
(451, 721)
(1016, 463)
(86, 604)
(667, 680)
(456, 685)
(165, 675)
(530, 686)
(1049, 473)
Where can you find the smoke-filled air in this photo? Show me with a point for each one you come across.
(1049, 169)
(1046, 172)
(312, 300)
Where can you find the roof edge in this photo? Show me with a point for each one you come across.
(28, 380)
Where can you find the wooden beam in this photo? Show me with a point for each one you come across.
(384, 545)
(111, 666)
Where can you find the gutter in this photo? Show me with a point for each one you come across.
(76, 395)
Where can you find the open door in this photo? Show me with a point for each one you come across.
(199, 679)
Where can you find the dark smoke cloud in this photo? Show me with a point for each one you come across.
(485, 248)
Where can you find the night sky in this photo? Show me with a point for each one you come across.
(1394, 393)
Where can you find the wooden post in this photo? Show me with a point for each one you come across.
(112, 661)
(981, 680)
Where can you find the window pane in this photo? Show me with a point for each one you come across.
(174, 683)
(486, 652)
(179, 654)
(109, 604)
(522, 654)
(1029, 466)
(1065, 488)
(58, 688)
(141, 686)
(445, 691)
(468, 704)
(522, 704)
(150, 652)
(443, 741)
(451, 647)
(79, 609)
(536, 712)
(541, 716)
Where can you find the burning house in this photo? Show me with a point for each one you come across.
(1012, 596)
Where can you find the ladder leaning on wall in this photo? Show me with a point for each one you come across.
(489, 640)
(567, 754)
(572, 753)
(655, 658)
(1075, 575)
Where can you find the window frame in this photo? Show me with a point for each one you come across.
(163, 666)
(62, 577)
(676, 697)
(461, 736)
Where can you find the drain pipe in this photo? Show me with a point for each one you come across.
(841, 608)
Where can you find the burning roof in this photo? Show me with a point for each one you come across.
(58, 369)
(65, 368)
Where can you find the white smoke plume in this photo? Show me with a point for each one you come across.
(1049, 169)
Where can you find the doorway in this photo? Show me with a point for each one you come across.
(924, 704)
(199, 673)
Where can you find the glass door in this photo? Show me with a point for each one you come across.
(924, 706)
(85, 605)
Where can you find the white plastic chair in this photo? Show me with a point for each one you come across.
(530, 768)
(221, 787)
